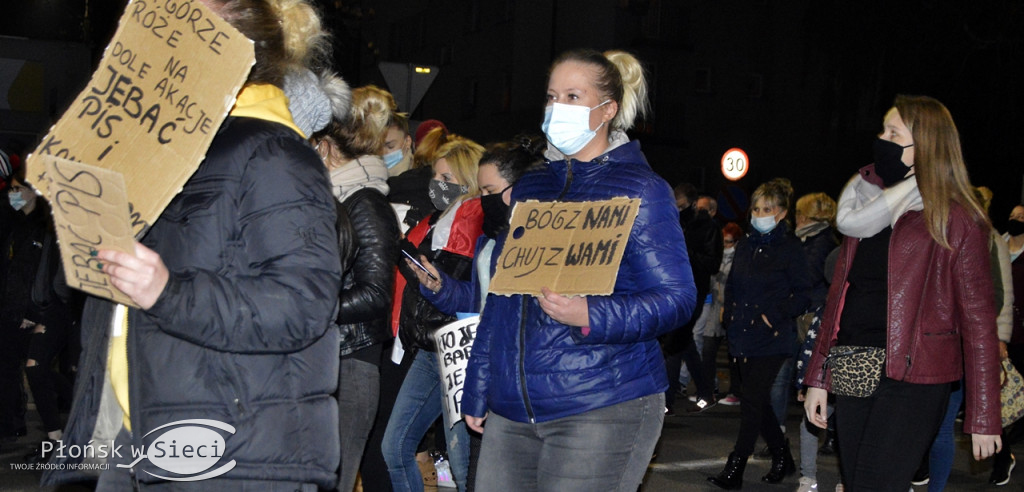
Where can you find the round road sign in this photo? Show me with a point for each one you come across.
(735, 164)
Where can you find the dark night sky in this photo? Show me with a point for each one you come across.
(853, 58)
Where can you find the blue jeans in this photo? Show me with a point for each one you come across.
(685, 374)
(940, 458)
(418, 405)
(606, 449)
(782, 390)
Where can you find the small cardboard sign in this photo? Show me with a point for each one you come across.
(90, 212)
(572, 248)
(454, 343)
(166, 82)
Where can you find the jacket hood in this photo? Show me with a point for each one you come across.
(265, 102)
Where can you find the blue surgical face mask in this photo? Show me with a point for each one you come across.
(764, 225)
(391, 159)
(18, 201)
(567, 126)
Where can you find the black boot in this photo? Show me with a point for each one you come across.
(731, 478)
(782, 465)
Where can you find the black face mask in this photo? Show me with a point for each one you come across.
(1015, 227)
(888, 162)
(687, 215)
(495, 214)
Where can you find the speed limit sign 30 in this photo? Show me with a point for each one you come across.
(735, 164)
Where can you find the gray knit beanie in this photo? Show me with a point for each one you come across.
(309, 105)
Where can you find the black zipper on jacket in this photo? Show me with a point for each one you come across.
(522, 317)
(522, 361)
(568, 179)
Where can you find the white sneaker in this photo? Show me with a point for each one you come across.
(839, 487)
(807, 484)
(444, 474)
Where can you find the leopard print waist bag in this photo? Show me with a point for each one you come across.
(856, 370)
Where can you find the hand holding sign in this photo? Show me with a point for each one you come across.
(142, 277)
(90, 213)
(572, 311)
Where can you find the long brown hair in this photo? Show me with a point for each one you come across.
(938, 163)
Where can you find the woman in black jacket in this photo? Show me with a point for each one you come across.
(767, 289)
(35, 313)
(236, 283)
(815, 227)
(368, 242)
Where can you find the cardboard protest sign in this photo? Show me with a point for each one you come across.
(165, 83)
(454, 342)
(90, 212)
(572, 248)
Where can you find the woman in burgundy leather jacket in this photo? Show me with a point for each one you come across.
(912, 278)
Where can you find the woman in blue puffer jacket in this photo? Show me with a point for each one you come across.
(572, 387)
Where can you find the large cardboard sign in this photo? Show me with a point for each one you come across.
(90, 212)
(454, 343)
(165, 83)
(572, 248)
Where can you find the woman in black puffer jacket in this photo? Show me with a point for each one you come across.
(237, 281)
(368, 243)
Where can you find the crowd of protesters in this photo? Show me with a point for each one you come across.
(292, 288)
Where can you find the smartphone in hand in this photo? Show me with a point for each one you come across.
(418, 264)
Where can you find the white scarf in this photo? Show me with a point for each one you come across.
(865, 209)
(366, 171)
(810, 229)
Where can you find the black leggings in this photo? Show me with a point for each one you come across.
(757, 374)
(13, 343)
(47, 385)
(883, 437)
